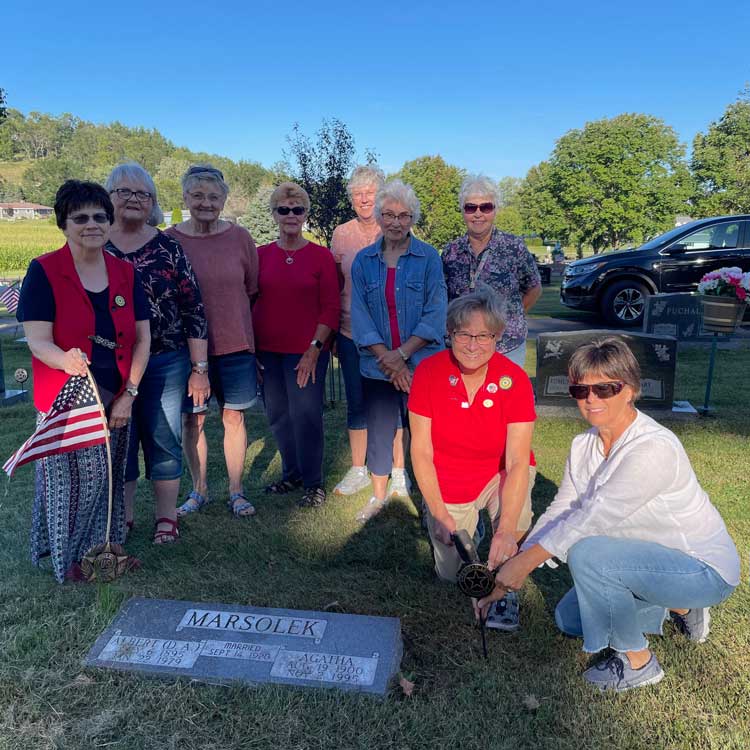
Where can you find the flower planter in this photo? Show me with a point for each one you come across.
(721, 314)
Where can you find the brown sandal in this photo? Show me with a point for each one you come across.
(168, 536)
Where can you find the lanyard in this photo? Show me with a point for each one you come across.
(474, 276)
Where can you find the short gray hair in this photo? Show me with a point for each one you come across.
(478, 184)
(363, 176)
(399, 192)
(203, 173)
(131, 170)
(485, 301)
(610, 357)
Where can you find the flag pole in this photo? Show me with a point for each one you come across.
(104, 562)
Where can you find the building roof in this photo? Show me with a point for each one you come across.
(35, 206)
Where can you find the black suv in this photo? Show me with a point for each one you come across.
(617, 283)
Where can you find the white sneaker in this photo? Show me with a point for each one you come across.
(354, 480)
(399, 485)
(373, 507)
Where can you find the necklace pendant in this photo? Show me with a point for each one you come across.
(289, 260)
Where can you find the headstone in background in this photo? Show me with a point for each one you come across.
(657, 356)
(222, 643)
(679, 314)
(8, 397)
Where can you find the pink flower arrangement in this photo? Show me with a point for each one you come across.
(726, 282)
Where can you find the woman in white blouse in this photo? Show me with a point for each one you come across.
(639, 534)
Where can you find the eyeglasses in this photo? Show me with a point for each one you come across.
(601, 390)
(481, 338)
(485, 208)
(284, 210)
(82, 219)
(126, 194)
(390, 217)
(211, 197)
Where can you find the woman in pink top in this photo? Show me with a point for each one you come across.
(348, 239)
(297, 309)
(225, 263)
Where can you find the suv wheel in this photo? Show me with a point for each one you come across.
(624, 303)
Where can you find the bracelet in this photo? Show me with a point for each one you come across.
(403, 354)
(202, 365)
(199, 370)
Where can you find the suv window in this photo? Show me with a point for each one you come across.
(716, 237)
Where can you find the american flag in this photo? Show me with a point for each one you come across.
(10, 298)
(73, 422)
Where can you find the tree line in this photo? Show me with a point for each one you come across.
(614, 182)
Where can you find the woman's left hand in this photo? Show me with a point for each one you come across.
(198, 388)
(120, 412)
(391, 363)
(306, 366)
(502, 548)
(509, 578)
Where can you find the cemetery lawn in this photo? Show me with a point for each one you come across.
(528, 694)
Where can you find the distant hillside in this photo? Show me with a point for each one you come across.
(39, 151)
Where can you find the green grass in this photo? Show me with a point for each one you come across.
(549, 305)
(13, 171)
(287, 557)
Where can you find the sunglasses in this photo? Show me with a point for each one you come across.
(485, 208)
(284, 210)
(82, 219)
(601, 390)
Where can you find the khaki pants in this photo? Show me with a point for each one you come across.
(466, 516)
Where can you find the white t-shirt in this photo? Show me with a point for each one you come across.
(646, 489)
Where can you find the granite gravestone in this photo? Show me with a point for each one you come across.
(657, 356)
(221, 643)
(678, 314)
(13, 396)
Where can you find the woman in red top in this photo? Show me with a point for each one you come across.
(469, 406)
(298, 307)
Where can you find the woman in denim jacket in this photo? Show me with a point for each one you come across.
(399, 303)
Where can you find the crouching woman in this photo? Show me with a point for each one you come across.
(639, 534)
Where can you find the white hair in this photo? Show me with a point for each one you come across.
(131, 170)
(363, 176)
(480, 185)
(203, 173)
(397, 191)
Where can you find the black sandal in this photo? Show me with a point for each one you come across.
(284, 487)
(313, 497)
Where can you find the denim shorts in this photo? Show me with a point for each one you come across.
(234, 382)
(157, 420)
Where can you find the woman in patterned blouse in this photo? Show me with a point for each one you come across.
(485, 255)
(178, 336)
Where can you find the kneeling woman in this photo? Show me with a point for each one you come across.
(638, 532)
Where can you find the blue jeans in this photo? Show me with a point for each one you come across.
(295, 415)
(355, 400)
(624, 587)
(386, 412)
(157, 419)
(517, 355)
(234, 382)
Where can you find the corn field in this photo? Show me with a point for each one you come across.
(21, 241)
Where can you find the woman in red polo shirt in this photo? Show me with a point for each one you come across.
(468, 407)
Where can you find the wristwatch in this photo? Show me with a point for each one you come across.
(132, 390)
(317, 343)
(199, 368)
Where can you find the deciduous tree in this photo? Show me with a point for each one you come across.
(619, 180)
(721, 162)
(437, 185)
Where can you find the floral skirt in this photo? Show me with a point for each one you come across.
(70, 503)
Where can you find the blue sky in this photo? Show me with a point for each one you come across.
(488, 85)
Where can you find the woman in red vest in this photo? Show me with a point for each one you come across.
(81, 305)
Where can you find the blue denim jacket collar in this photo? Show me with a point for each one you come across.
(414, 247)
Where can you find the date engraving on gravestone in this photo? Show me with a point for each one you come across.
(247, 651)
(317, 667)
(132, 649)
(242, 622)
